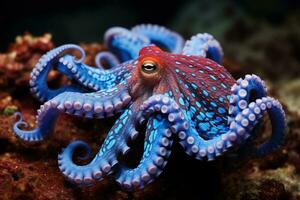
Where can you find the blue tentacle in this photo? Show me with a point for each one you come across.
(165, 119)
(204, 45)
(86, 78)
(156, 151)
(240, 128)
(161, 36)
(110, 59)
(94, 78)
(244, 92)
(100, 166)
(38, 77)
(99, 104)
(250, 93)
(124, 43)
(37, 134)
(105, 161)
(278, 123)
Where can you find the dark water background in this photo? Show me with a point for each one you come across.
(262, 36)
(86, 20)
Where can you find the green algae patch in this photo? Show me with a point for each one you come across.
(9, 110)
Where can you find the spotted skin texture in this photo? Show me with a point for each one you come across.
(188, 76)
(161, 96)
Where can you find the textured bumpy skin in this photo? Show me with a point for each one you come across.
(185, 98)
(204, 45)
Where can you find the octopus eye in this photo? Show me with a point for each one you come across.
(149, 66)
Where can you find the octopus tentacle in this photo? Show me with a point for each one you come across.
(156, 151)
(244, 92)
(100, 166)
(204, 45)
(239, 130)
(88, 78)
(168, 107)
(38, 77)
(161, 36)
(240, 127)
(107, 57)
(105, 160)
(124, 43)
(278, 123)
(39, 133)
(165, 119)
(99, 104)
(93, 78)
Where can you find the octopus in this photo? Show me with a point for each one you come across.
(161, 90)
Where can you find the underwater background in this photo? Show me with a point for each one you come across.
(261, 37)
(261, 31)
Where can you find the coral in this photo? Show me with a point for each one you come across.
(17, 62)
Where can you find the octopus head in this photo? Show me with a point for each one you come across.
(188, 79)
(200, 86)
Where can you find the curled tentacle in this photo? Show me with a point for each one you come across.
(86, 78)
(161, 37)
(39, 133)
(240, 128)
(165, 119)
(115, 144)
(19, 115)
(204, 45)
(89, 173)
(97, 104)
(277, 118)
(38, 77)
(156, 151)
(244, 92)
(250, 94)
(124, 43)
(108, 58)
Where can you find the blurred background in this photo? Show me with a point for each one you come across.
(263, 35)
